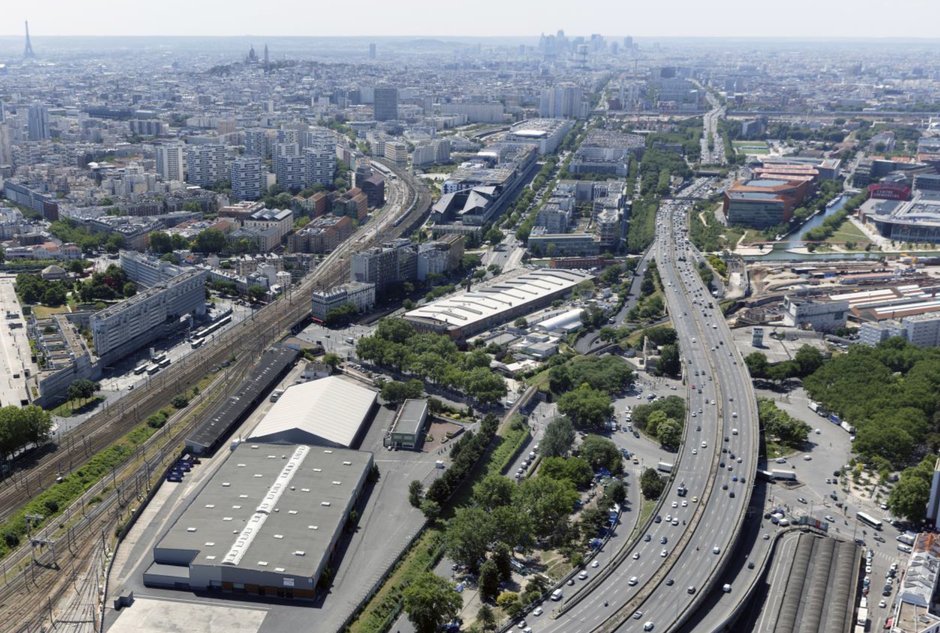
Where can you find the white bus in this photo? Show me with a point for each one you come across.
(870, 520)
(664, 466)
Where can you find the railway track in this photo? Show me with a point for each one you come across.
(41, 588)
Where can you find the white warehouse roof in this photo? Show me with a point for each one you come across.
(328, 412)
(566, 321)
(466, 308)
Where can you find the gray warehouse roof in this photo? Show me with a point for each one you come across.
(269, 508)
(328, 411)
(410, 417)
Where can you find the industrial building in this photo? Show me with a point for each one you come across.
(408, 429)
(506, 298)
(267, 523)
(274, 364)
(822, 316)
(331, 411)
(149, 315)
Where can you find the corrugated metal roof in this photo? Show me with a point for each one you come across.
(331, 408)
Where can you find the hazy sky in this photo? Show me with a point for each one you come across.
(738, 18)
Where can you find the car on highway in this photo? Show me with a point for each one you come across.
(583, 575)
(633, 581)
(636, 556)
(670, 582)
(637, 615)
(716, 550)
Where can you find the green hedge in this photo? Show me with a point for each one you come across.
(517, 435)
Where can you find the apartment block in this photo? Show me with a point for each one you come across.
(149, 315)
(361, 295)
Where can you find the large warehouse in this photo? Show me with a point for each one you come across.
(331, 411)
(467, 313)
(267, 522)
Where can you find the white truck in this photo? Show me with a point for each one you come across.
(783, 474)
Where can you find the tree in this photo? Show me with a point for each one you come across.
(489, 581)
(546, 501)
(670, 433)
(256, 293)
(430, 509)
(586, 407)
(53, 296)
(180, 401)
(210, 241)
(757, 365)
(509, 602)
(521, 322)
(573, 469)
(502, 556)
(76, 267)
(431, 602)
(600, 452)
(809, 359)
(486, 618)
(651, 484)
(484, 385)
(160, 242)
(493, 491)
(558, 438)
(468, 536)
(129, 289)
(415, 490)
(616, 492)
(332, 360)
(341, 315)
(395, 392)
(910, 495)
(82, 389)
(669, 361)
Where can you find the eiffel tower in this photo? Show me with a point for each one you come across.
(28, 53)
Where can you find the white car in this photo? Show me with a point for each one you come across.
(595, 564)
(583, 575)
(522, 624)
(882, 604)
(538, 611)
(818, 432)
(685, 504)
(695, 451)
(807, 458)
(675, 504)
(664, 553)
(633, 580)
(734, 414)
(716, 550)
(636, 556)
(637, 615)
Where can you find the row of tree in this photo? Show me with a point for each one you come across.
(432, 357)
(806, 361)
(21, 427)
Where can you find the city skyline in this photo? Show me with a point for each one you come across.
(727, 18)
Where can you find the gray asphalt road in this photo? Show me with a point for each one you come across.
(706, 345)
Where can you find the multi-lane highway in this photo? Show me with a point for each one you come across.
(656, 583)
(716, 154)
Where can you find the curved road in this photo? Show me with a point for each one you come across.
(689, 559)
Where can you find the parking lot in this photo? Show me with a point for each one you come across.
(828, 451)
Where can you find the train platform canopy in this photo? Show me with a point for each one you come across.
(274, 363)
(331, 411)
